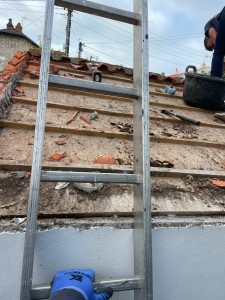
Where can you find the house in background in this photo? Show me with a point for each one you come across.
(13, 39)
(204, 69)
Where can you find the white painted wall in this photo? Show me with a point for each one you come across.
(188, 263)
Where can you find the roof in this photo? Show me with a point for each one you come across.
(5, 31)
(184, 157)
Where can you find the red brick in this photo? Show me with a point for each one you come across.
(20, 54)
(32, 68)
(10, 69)
(6, 77)
(53, 69)
(15, 61)
(35, 60)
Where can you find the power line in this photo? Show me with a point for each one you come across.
(107, 22)
(157, 39)
(80, 27)
(104, 22)
(103, 42)
(181, 38)
(16, 1)
(176, 44)
(33, 21)
(113, 57)
(32, 11)
(178, 36)
(189, 50)
(179, 56)
(169, 61)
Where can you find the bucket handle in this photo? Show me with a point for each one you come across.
(191, 67)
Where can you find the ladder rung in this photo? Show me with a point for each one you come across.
(90, 177)
(91, 86)
(100, 10)
(42, 292)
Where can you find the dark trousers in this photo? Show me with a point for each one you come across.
(219, 51)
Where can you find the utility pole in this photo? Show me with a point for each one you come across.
(68, 27)
(80, 49)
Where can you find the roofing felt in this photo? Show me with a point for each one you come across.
(20, 34)
(184, 157)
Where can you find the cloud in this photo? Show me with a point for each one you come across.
(157, 21)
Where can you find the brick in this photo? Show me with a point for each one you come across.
(32, 68)
(20, 54)
(6, 77)
(56, 70)
(10, 69)
(35, 60)
(53, 69)
(15, 61)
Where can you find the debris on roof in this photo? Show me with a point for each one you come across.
(184, 157)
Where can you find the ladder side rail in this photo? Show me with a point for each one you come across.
(30, 235)
(142, 200)
(100, 10)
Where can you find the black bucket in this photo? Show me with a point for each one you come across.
(204, 91)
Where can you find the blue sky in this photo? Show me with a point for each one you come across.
(175, 28)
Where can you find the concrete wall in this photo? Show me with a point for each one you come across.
(188, 263)
(9, 44)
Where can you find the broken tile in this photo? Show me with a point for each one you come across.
(57, 156)
(219, 183)
(86, 119)
(105, 159)
(73, 117)
(20, 90)
(60, 142)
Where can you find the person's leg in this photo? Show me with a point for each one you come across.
(219, 51)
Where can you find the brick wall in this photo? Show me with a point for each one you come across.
(9, 44)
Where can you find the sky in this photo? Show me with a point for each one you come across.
(176, 30)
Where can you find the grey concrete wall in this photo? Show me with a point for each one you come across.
(188, 263)
(9, 44)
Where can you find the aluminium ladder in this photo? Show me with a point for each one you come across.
(141, 282)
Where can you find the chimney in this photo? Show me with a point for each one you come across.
(18, 27)
(10, 25)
